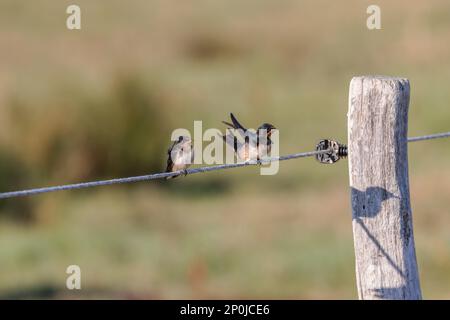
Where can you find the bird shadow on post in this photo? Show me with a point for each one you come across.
(374, 197)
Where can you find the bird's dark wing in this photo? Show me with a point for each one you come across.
(169, 151)
(169, 157)
(169, 165)
(236, 123)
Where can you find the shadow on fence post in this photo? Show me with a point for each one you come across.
(386, 266)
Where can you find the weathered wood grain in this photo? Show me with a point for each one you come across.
(386, 266)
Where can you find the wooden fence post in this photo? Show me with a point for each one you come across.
(386, 266)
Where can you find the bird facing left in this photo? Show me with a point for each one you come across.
(180, 156)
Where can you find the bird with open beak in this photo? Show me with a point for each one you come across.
(256, 145)
(180, 155)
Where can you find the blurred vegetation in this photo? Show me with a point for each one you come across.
(102, 103)
(79, 135)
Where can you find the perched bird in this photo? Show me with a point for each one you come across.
(180, 155)
(256, 145)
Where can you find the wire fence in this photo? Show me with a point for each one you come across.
(163, 175)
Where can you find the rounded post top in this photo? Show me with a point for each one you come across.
(383, 83)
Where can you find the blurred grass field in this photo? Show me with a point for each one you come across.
(102, 102)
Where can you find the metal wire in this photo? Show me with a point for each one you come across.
(154, 176)
(429, 137)
(162, 175)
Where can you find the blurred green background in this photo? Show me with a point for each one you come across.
(101, 103)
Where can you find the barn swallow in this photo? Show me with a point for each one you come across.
(180, 155)
(252, 148)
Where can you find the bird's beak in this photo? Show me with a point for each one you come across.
(269, 131)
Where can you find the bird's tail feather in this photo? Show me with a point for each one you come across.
(236, 123)
(228, 124)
